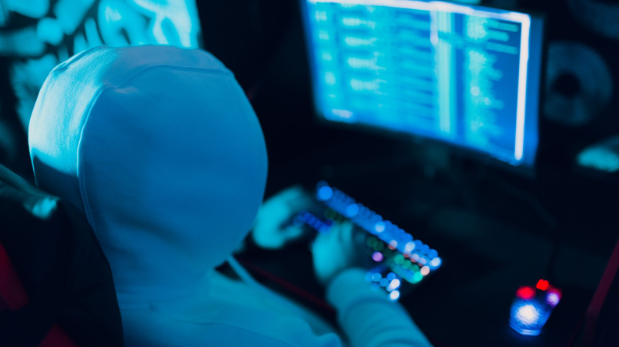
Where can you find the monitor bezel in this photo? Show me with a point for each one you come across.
(463, 151)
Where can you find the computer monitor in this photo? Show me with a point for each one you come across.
(466, 75)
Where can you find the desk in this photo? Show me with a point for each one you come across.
(486, 257)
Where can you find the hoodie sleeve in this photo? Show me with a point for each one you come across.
(368, 317)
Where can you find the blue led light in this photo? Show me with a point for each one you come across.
(436, 262)
(389, 234)
(379, 227)
(409, 247)
(528, 317)
(325, 193)
(352, 210)
(394, 295)
(324, 229)
(394, 284)
(424, 249)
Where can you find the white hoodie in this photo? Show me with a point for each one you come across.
(161, 150)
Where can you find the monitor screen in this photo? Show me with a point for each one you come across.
(466, 75)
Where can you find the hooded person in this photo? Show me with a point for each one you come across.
(161, 151)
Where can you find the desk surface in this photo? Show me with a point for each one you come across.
(485, 259)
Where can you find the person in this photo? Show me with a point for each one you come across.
(160, 149)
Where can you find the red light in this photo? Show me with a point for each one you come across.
(525, 293)
(542, 285)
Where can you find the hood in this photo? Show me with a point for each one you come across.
(160, 149)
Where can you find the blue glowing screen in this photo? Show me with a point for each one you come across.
(462, 74)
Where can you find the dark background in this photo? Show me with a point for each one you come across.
(495, 229)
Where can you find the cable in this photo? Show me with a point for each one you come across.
(542, 213)
(593, 311)
(590, 316)
(289, 286)
(241, 272)
(302, 293)
(533, 202)
(573, 338)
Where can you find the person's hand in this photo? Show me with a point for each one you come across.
(336, 251)
(271, 229)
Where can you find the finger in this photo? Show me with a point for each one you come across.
(345, 233)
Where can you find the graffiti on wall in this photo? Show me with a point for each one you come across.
(55, 30)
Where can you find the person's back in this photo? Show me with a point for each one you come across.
(162, 152)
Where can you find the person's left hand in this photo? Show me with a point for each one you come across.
(271, 229)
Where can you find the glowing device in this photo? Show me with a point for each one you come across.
(462, 74)
(394, 258)
(532, 307)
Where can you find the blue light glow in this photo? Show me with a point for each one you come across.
(323, 228)
(409, 247)
(494, 55)
(44, 208)
(325, 193)
(395, 284)
(352, 210)
(603, 156)
(379, 227)
(553, 299)
(528, 317)
(400, 244)
(394, 295)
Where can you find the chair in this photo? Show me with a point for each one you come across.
(56, 287)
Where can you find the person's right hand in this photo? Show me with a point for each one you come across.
(338, 250)
(271, 229)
